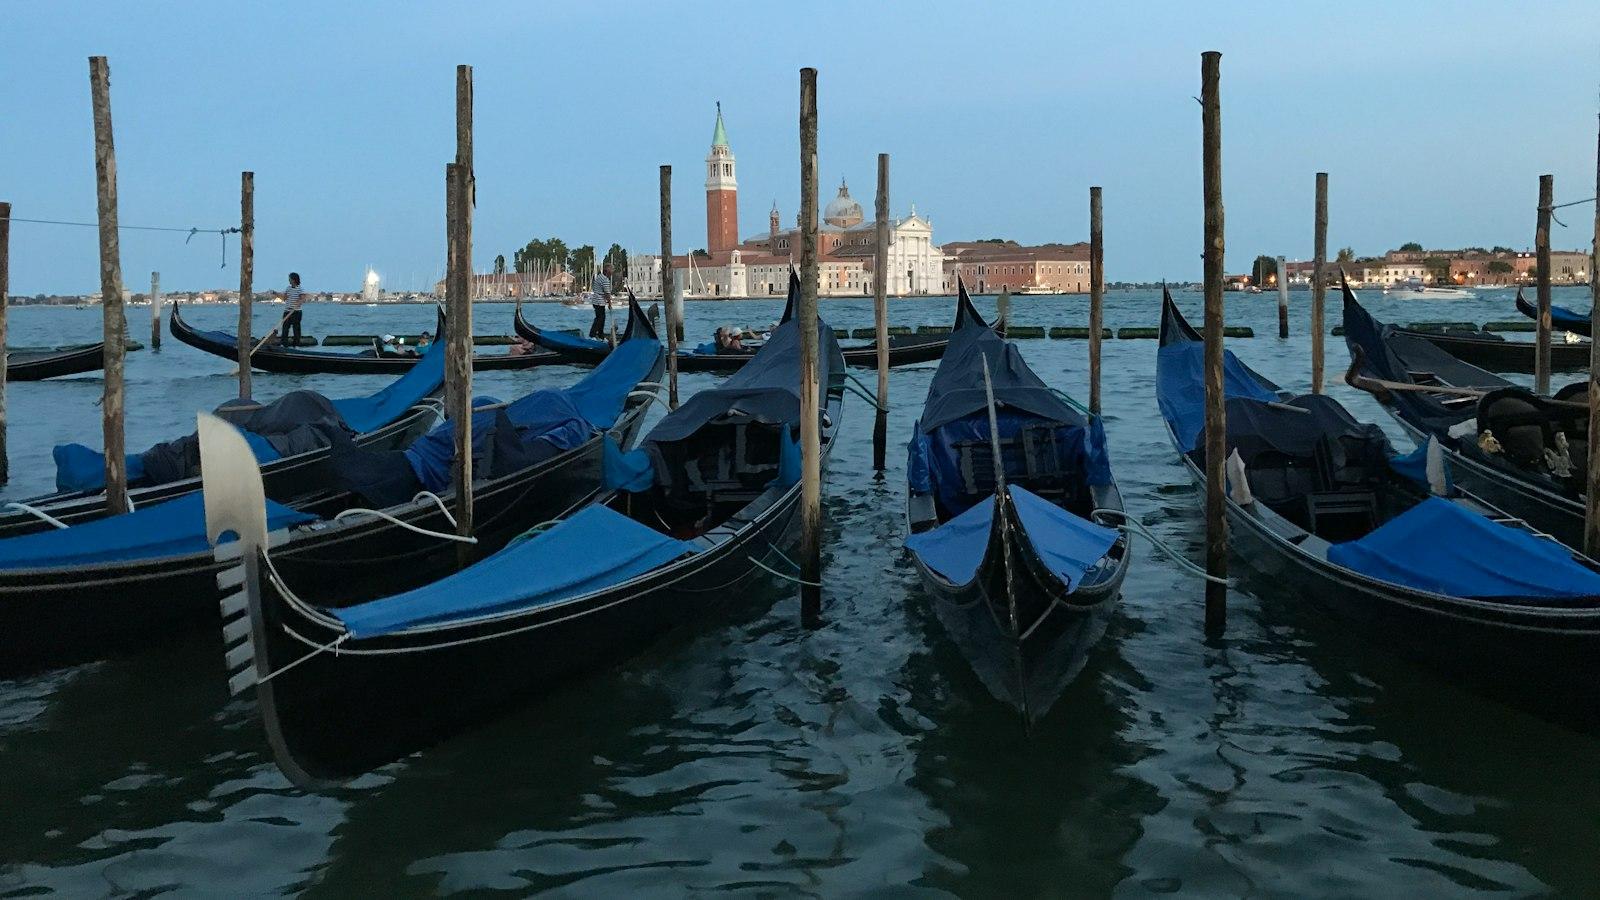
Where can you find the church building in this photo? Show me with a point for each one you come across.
(758, 265)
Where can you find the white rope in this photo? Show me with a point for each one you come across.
(331, 645)
(424, 495)
(650, 395)
(1130, 524)
(37, 512)
(784, 576)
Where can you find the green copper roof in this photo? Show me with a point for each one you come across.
(719, 138)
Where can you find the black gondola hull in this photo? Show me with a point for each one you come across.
(1029, 665)
(337, 715)
(38, 365)
(54, 617)
(294, 361)
(1504, 356)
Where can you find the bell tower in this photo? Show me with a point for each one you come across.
(772, 225)
(722, 193)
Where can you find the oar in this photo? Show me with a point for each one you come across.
(994, 431)
(262, 344)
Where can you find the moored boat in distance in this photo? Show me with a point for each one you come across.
(1561, 318)
(1415, 289)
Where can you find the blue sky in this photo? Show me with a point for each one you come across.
(1434, 120)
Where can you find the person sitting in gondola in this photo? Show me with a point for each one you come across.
(728, 341)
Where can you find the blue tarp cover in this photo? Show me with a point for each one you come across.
(563, 339)
(364, 414)
(1438, 546)
(594, 549)
(1181, 387)
(174, 528)
(1067, 544)
(83, 469)
(562, 418)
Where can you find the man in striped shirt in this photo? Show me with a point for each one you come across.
(599, 297)
(293, 299)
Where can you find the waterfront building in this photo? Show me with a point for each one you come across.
(758, 265)
(989, 266)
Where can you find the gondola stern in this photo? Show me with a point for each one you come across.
(1174, 327)
(639, 325)
(966, 312)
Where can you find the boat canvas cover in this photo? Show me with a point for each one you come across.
(957, 389)
(1255, 428)
(595, 549)
(1065, 543)
(766, 389)
(370, 413)
(555, 338)
(1395, 356)
(1440, 547)
(159, 531)
(1181, 392)
(536, 426)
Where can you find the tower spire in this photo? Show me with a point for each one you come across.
(719, 137)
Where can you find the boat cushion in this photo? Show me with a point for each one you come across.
(158, 531)
(596, 548)
(1067, 544)
(1441, 547)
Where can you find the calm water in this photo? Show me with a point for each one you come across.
(745, 754)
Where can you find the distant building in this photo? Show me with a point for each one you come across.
(986, 267)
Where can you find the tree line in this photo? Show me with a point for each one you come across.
(553, 255)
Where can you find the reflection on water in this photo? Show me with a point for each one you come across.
(746, 753)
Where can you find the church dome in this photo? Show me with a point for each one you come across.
(843, 211)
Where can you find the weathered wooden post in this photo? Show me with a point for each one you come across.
(1002, 306)
(5, 289)
(1097, 290)
(155, 310)
(105, 169)
(1216, 421)
(1319, 261)
(1283, 300)
(668, 288)
(1591, 506)
(247, 271)
(880, 313)
(810, 413)
(1541, 249)
(458, 298)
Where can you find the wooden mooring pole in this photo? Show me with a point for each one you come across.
(880, 314)
(1216, 421)
(105, 169)
(1097, 291)
(668, 288)
(459, 190)
(810, 413)
(1591, 506)
(1002, 307)
(5, 301)
(155, 310)
(1283, 300)
(247, 272)
(1319, 290)
(1541, 249)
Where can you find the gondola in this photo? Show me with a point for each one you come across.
(1532, 465)
(904, 350)
(1561, 318)
(1318, 502)
(301, 361)
(1018, 556)
(37, 363)
(129, 582)
(391, 417)
(700, 509)
(1488, 350)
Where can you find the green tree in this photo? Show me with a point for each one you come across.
(1262, 268)
(1499, 267)
(552, 254)
(1346, 254)
(1411, 247)
(579, 264)
(618, 259)
(1439, 268)
(1499, 249)
(500, 264)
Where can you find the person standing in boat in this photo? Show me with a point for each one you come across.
(600, 298)
(293, 298)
